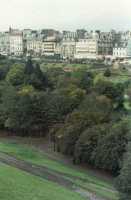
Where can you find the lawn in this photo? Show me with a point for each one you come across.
(62, 65)
(101, 187)
(18, 185)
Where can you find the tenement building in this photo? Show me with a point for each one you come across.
(16, 42)
(67, 45)
(4, 43)
(86, 49)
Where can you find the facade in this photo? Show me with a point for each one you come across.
(86, 49)
(34, 47)
(4, 44)
(129, 48)
(68, 48)
(105, 43)
(49, 46)
(16, 43)
(68, 45)
(81, 44)
(120, 52)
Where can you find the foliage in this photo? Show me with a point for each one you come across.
(114, 91)
(123, 181)
(110, 149)
(86, 107)
(3, 71)
(15, 75)
(107, 72)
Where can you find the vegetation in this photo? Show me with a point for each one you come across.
(123, 181)
(90, 181)
(85, 110)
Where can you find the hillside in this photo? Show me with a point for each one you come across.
(50, 176)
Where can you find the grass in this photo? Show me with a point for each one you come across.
(62, 65)
(92, 183)
(119, 79)
(99, 189)
(18, 185)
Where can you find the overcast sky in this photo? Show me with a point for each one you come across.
(66, 14)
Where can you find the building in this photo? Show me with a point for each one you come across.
(129, 48)
(86, 49)
(81, 33)
(49, 46)
(123, 49)
(34, 47)
(70, 45)
(67, 48)
(16, 42)
(4, 43)
(105, 44)
(120, 52)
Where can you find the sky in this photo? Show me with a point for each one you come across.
(66, 14)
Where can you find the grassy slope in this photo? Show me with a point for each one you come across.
(18, 185)
(100, 187)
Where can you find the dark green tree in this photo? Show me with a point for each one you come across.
(110, 149)
(38, 79)
(29, 68)
(123, 182)
(107, 72)
(16, 75)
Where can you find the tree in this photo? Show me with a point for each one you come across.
(69, 133)
(29, 68)
(87, 143)
(123, 181)
(86, 81)
(114, 91)
(3, 71)
(98, 108)
(107, 72)
(38, 79)
(53, 75)
(26, 111)
(59, 106)
(16, 75)
(110, 149)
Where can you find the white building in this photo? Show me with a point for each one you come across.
(16, 43)
(120, 52)
(34, 47)
(4, 43)
(86, 49)
(68, 48)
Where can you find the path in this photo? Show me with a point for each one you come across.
(46, 173)
(45, 146)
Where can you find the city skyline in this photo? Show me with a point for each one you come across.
(69, 14)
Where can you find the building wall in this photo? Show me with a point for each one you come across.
(68, 48)
(16, 44)
(34, 47)
(4, 44)
(48, 48)
(120, 52)
(129, 48)
(86, 49)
